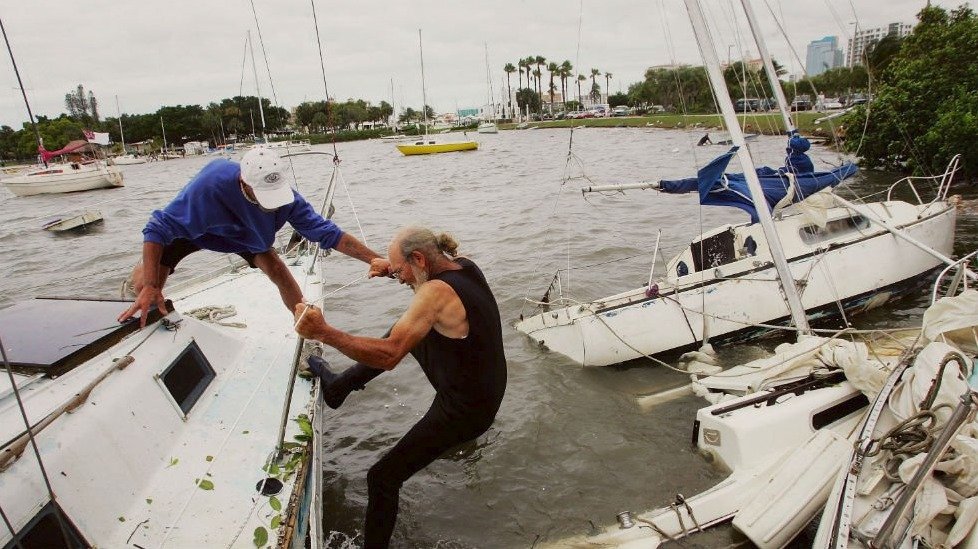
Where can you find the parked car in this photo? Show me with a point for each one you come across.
(620, 110)
(830, 104)
(747, 105)
(801, 103)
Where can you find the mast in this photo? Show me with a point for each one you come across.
(712, 63)
(37, 133)
(122, 136)
(772, 75)
(254, 69)
(492, 106)
(393, 109)
(424, 96)
(164, 134)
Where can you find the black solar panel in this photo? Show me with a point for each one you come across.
(53, 335)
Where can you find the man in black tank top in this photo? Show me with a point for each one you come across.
(452, 328)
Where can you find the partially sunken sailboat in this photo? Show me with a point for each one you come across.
(191, 432)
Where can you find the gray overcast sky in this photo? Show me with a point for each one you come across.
(190, 52)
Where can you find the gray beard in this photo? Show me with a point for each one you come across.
(420, 277)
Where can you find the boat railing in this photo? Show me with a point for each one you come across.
(958, 281)
(943, 182)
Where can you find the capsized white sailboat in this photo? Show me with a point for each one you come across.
(830, 257)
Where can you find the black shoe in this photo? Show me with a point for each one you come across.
(336, 387)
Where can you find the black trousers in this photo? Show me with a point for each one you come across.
(436, 433)
(180, 248)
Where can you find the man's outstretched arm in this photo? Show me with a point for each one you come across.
(384, 353)
(352, 247)
(151, 292)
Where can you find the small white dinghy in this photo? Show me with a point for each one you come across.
(80, 221)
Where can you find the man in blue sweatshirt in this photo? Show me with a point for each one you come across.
(236, 208)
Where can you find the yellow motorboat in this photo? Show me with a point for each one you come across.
(423, 146)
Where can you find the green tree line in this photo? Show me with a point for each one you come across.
(925, 104)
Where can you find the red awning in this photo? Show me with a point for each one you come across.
(78, 146)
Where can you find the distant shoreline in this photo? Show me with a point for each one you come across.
(763, 123)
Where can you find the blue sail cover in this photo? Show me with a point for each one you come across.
(717, 188)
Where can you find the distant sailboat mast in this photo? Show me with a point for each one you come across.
(122, 136)
(30, 114)
(254, 69)
(164, 134)
(424, 96)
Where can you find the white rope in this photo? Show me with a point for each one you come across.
(215, 314)
(324, 296)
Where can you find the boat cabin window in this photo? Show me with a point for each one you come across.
(188, 376)
(713, 251)
(813, 234)
(48, 530)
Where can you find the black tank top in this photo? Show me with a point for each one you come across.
(468, 374)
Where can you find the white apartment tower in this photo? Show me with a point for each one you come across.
(864, 37)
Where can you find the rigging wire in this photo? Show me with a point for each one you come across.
(37, 452)
(261, 43)
(244, 61)
(322, 66)
(571, 160)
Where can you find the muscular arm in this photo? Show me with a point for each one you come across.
(151, 292)
(425, 310)
(352, 247)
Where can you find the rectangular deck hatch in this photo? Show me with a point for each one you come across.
(53, 335)
(48, 530)
(187, 376)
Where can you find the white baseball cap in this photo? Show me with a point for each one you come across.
(263, 170)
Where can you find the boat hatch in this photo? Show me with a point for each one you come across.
(49, 528)
(53, 335)
(714, 251)
(839, 410)
(187, 377)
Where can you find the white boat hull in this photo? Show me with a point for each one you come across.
(488, 128)
(860, 272)
(64, 178)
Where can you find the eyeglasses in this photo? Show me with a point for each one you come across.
(395, 272)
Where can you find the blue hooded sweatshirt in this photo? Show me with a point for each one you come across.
(797, 161)
(213, 213)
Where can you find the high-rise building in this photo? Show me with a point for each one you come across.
(864, 37)
(823, 54)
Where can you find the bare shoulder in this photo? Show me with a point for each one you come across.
(436, 290)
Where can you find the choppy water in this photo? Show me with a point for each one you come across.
(570, 447)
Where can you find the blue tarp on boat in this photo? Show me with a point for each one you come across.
(717, 188)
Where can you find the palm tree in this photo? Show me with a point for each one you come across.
(580, 99)
(553, 69)
(566, 71)
(539, 61)
(528, 62)
(509, 69)
(607, 85)
(536, 74)
(595, 91)
(520, 65)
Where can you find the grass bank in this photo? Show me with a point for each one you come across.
(766, 123)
